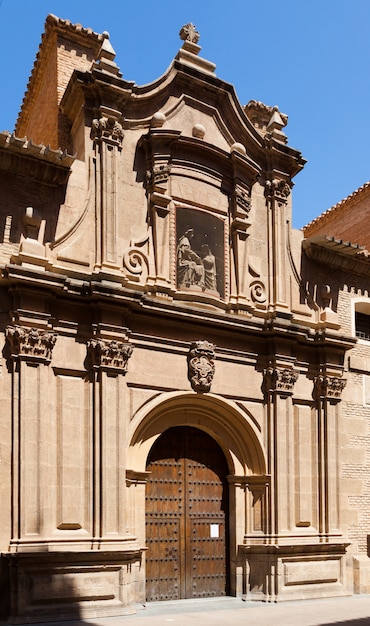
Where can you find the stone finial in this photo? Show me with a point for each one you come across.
(189, 33)
(275, 125)
(106, 56)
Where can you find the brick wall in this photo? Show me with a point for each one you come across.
(347, 221)
(61, 52)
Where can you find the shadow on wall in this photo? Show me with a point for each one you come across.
(34, 590)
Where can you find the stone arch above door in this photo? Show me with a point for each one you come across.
(232, 428)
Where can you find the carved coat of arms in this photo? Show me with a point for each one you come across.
(201, 367)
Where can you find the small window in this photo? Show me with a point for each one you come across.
(362, 321)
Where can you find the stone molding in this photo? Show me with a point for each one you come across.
(329, 387)
(30, 344)
(112, 354)
(280, 380)
(201, 366)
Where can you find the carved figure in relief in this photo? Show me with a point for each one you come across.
(195, 270)
(210, 272)
(190, 268)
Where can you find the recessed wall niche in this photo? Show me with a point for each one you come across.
(200, 252)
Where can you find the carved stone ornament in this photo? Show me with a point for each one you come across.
(278, 189)
(280, 380)
(30, 343)
(201, 367)
(135, 261)
(242, 200)
(158, 175)
(329, 387)
(189, 33)
(109, 354)
(107, 127)
(258, 292)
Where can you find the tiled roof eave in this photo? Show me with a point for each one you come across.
(21, 157)
(338, 254)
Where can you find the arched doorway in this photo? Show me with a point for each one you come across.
(187, 517)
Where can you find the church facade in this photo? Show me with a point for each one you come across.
(185, 408)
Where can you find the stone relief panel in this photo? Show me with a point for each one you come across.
(200, 252)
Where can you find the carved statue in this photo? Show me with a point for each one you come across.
(193, 269)
(190, 268)
(210, 272)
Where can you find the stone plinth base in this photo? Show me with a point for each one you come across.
(276, 573)
(50, 586)
(361, 573)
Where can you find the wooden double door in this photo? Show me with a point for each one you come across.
(186, 517)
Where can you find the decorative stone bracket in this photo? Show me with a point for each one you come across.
(201, 367)
(111, 355)
(30, 344)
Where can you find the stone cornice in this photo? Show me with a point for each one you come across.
(23, 158)
(91, 289)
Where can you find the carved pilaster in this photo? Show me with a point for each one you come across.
(201, 366)
(277, 193)
(111, 355)
(240, 208)
(280, 380)
(30, 344)
(107, 135)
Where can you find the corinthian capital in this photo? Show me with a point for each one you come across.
(280, 380)
(329, 387)
(107, 128)
(31, 344)
(110, 354)
(278, 190)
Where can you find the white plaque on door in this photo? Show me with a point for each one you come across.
(214, 530)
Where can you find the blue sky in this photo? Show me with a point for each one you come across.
(310, 57)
